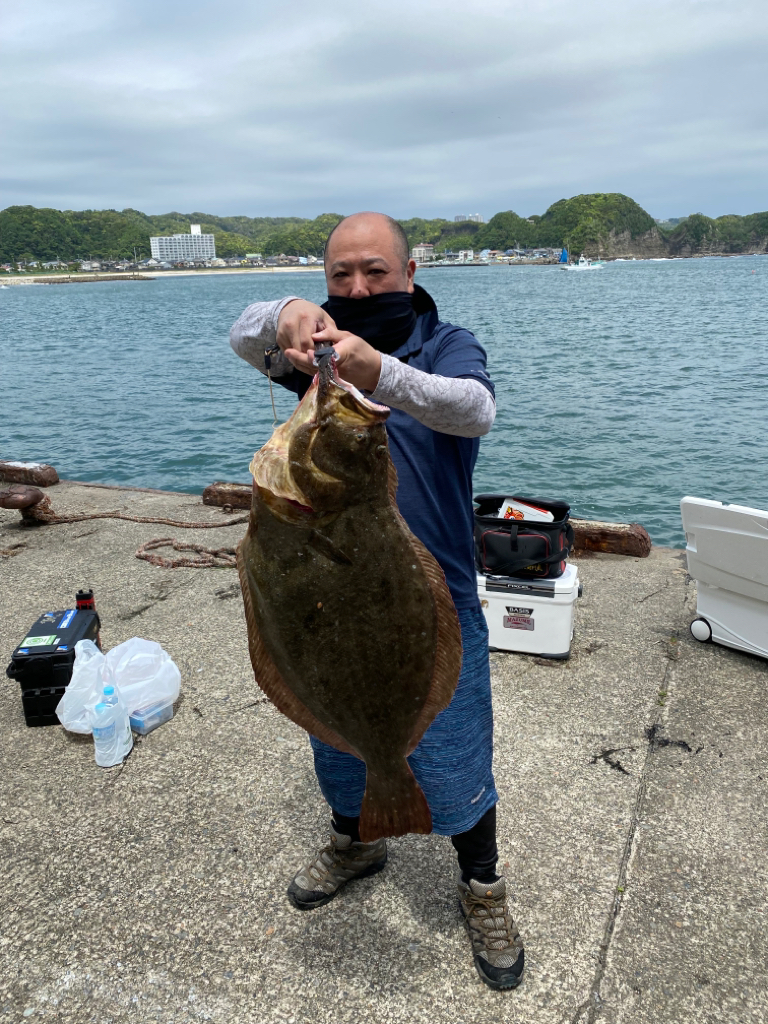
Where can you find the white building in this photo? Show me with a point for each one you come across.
(476, 218)
(194, 246)
(466, 255)
(423, 251)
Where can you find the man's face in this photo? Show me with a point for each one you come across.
(362, 259)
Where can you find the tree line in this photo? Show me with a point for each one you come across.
(583, 223)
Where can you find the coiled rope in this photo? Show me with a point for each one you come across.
(42, 513)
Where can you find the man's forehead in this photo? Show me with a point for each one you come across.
(365, 258)
(363, 233)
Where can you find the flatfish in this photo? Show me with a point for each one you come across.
(352, 631)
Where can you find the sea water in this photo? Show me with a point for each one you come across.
(619, 390)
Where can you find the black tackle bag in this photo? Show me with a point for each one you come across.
(515, 547)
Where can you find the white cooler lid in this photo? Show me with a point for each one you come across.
(727, 545)
(564, 584)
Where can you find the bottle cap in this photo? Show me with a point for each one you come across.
(108, 691)
(101, 708)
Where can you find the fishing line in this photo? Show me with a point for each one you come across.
(268, 353)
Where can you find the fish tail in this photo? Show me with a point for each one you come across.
(393, 805)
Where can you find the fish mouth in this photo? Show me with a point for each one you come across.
(360, 410)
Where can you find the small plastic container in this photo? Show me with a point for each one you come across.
(145, 719)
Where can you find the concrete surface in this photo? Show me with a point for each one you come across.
(633, 818)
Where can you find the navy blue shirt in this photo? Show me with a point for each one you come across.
(434, 471)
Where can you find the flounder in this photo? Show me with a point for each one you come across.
(352, 631)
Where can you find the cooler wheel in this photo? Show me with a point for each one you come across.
(701, 630)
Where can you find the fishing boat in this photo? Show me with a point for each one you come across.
(583, 264)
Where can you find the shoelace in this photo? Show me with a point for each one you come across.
(498, 928)
(330, 858)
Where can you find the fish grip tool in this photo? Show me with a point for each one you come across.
(325, 361)
(323, 356)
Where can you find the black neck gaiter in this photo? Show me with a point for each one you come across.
(385, 321)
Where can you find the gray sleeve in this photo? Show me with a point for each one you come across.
(449, 405)
(256, 330)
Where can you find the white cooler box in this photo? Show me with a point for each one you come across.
(530, 616)
(727, 549)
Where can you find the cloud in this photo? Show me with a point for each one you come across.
(428, 109)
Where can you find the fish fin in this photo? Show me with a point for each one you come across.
(325, 546)
(448, 650)
(393, 805)
(271, 681)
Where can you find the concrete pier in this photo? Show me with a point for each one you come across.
(633, 818)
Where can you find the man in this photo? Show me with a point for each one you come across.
(390, 343)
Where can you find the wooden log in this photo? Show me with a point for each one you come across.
(38, 473)
(234, 495)
(20, 496)
(611, 538)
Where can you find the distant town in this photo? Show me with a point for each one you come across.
(110, 243)
(168, 252)
(198, 251)
(424, 254)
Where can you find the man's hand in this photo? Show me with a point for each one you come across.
(296, 324)
(357, 361)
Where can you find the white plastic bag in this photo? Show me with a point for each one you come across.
(84, 689)
(142, 672)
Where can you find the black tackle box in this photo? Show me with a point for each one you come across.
(42, 663)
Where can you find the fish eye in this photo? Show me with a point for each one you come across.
(360, 436)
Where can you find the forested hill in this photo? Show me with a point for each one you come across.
(607, 224)
(27, 232)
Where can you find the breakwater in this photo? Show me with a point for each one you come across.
(632, 819)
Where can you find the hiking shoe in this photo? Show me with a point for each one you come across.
(335, 865)
(496, 943)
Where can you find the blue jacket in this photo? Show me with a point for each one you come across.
(434, 471)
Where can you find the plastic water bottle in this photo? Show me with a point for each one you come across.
(112, 737)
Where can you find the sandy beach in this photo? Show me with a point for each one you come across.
(151, 273)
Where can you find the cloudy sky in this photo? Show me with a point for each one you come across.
(416, 108)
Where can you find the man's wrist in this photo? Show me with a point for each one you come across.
(281, 306)
(384, 377)
(375, 376)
